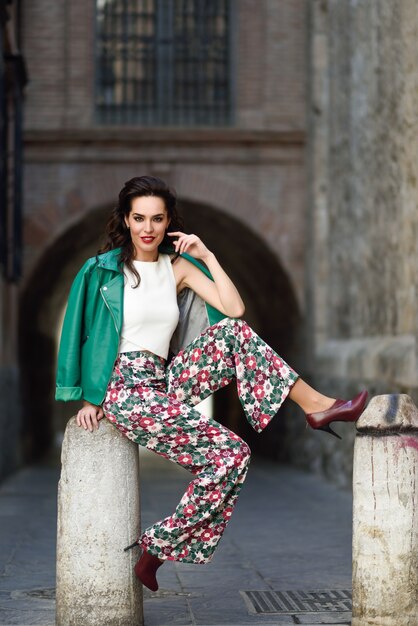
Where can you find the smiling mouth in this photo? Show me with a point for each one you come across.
(147, 239)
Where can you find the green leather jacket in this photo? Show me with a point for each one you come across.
(93, 322)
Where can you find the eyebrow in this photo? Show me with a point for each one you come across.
(156, 215)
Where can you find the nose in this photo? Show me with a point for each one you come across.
(148, 227)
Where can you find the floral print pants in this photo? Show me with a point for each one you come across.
(152, 403)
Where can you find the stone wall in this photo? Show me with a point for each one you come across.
(363, 162)
(11, 435)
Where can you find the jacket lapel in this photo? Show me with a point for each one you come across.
(112, 293)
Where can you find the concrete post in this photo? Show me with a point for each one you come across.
(98, 516)
(385, 514)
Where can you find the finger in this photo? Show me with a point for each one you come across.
(100, 414)
(94, 421)
(174, 232)
(185, 244)
(83, 421)
(89, 422)
(179, 244)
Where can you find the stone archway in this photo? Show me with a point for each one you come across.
(271, 309)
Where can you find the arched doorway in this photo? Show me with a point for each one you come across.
(271, 309)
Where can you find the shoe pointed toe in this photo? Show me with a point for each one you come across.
(340, 411)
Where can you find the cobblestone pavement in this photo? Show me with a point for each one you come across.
(290, 531)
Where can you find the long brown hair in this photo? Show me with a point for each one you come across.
(117, 233)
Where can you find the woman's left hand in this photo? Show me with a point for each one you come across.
(190, 244)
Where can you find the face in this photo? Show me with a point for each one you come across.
(147, 221)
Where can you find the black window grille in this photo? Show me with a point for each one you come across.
(163, 62)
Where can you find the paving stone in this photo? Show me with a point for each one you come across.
(290, 530)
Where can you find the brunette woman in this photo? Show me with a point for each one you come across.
(149, 332)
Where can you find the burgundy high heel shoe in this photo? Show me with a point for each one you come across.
(340, 411)
(146, 568)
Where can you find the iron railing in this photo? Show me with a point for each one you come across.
(163, 62)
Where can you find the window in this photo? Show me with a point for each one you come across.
(163, 62)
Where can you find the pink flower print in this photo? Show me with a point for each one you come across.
(213, 431)
(219, 528)
(147, 541)
(260, 377)
(215, 496)
(169, 523)
(147, 395)
(184, 459)
(284, 371)
(218, 355)
(250, 362)
(113, 395)
(172, 411)
(183, 553)
(182, 440)
(227, 512)
(196, 354)
(246, 331)
(264, 420)
(277, 362)
(259, 391)
(180, 394)
(189, 510)
(145, 422)
(237, 359)
(203, 376)
(240, 370)
(193, 370)
(206, 535)
(209, 348)
(155, 428)
(185, 375)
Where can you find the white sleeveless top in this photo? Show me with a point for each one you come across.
(150, 311)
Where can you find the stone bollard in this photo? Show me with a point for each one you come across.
(385, 514)
(98, 516)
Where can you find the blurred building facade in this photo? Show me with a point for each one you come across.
(208, 96)
(13, 78)
(245, 107)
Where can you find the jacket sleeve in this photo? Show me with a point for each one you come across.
(68, 378)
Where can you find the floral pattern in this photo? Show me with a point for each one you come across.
(152, 403)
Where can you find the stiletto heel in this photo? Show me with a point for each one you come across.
(327, 428)
(340, 411)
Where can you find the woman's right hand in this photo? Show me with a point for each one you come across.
(89, 415)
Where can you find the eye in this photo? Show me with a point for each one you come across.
(158, 219)
(138, 219)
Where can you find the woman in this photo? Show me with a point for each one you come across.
(148, 333)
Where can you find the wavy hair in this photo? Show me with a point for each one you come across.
(117, 234)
